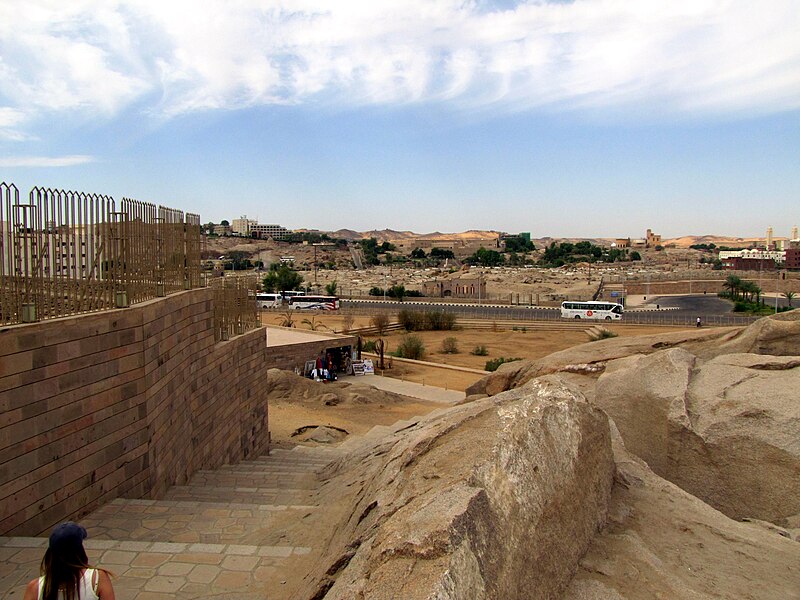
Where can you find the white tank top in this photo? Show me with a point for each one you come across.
(85, 587)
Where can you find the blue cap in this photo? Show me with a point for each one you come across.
(67, 536)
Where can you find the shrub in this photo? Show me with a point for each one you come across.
(380, 322)
(449, 345)
(480, 351)
(494, 363)
(431, 320)
(410, 347)
(368, 346)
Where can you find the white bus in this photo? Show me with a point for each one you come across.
(314, 303)
(607, 311)
(267, 300)
(289, 293)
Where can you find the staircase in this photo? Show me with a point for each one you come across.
(242, 531)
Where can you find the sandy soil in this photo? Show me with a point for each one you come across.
(285, 418)
(530, 344)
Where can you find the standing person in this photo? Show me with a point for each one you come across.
(66, 574)
(698, 321)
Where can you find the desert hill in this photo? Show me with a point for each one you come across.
(733, 242)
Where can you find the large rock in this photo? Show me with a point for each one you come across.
(285, 386)
(776, 335)
(661, 542)
(725, 431)
(498, 498)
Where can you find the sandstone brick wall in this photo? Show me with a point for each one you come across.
(289, 356)
(122, 403)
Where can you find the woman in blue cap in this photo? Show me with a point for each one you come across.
(66, 574)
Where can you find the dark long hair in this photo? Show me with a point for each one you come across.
(62, 571)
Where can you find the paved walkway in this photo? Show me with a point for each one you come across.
(408, 388)
(234, 532)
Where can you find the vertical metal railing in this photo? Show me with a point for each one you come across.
(234, 306)
(65, 252)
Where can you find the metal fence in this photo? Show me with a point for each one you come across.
(235, 308)
(64, 253)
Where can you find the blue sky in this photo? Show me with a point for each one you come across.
(591, 118)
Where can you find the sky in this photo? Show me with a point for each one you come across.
(590, 118)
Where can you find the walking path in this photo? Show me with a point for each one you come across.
(244, 531)
(408, 388)
(236, 531)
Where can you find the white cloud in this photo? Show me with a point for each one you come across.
(45, 161)
(683, 56)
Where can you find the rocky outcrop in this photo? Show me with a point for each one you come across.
(724, 430)
(776, 335)
(285, 386)
(661, 542)
(498, 498)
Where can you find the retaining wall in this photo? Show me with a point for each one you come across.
(122, 403)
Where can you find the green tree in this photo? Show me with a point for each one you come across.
(281, 277)
(789, 297)
(397, 291)
(441, 253)
(635, 255)
(486, 258)
(331, 287)
(225, 223)
(733, 284)
(418, 253)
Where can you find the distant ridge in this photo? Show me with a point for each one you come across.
(389, 235)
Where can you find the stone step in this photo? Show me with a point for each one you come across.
(195, 522)
(255, 479)
(246, 495)
(147, 570)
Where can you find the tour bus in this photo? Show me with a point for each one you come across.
(608, 311)
(266, 300)
(286, 294)
(314, 302)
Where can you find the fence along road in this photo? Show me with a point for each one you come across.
(684, 315)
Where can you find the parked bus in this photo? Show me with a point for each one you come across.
(314, 302)
(286, 294)
(267, 300)
(607, 311)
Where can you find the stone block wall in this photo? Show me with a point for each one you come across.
(289, 356)
(122, 403)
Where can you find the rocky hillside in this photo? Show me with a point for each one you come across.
(664, 466)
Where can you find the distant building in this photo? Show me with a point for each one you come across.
(751, 260)
(242, 225)
(461, 247)
(276, 232)
(652, 239)
(622, 243)
(455, 287)
(737, 263)
(792, 261)
(222, 229)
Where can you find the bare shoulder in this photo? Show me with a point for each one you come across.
(104, 588)
(32, 590)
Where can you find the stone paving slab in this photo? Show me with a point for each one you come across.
(152, 570)
(224, 534)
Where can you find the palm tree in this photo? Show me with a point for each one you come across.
(313, 325)
(287, 319)
(733, 284)
(789, 297)
(747, 288)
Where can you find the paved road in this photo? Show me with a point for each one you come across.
(713, 310)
